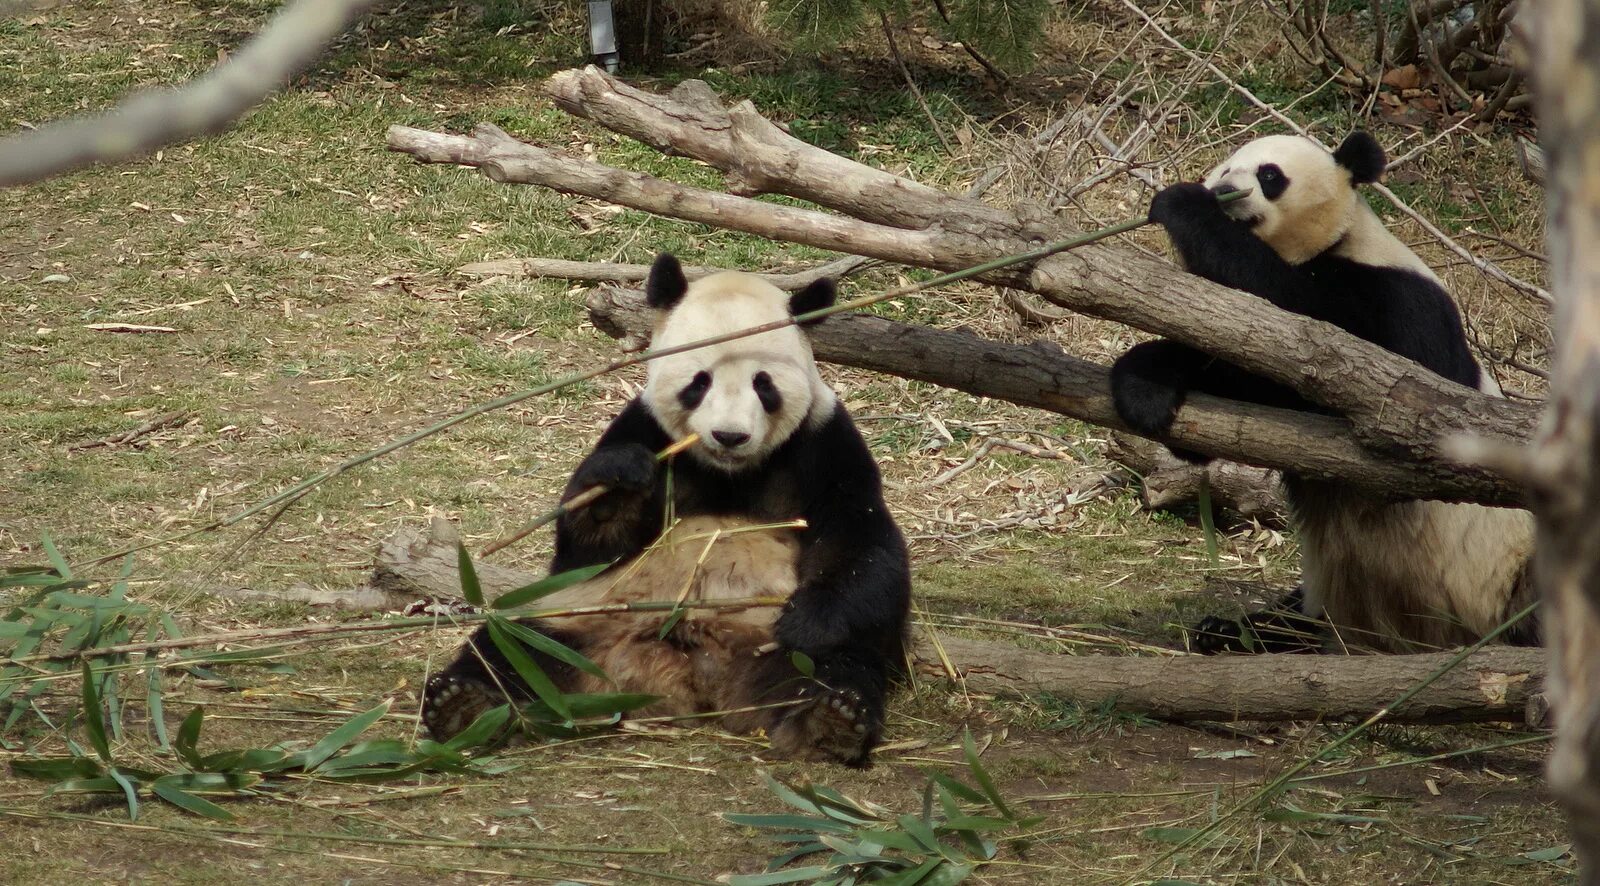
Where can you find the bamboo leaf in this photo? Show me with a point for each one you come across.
(318, 753)
(981, 775)
(546, 586)
(794, 875)
(93, 716)
(471, 590)
(553, 648)
(190, 803)
(188, 736)
(57, 768)
(528, 669)
(485, 727)
(56, 560)
(128, 791)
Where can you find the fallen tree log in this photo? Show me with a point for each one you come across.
(1042, 376)
(1494, 684)
(1169, 482)
(1395, 406)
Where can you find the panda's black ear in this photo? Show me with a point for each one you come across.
(1361, 155)
(666, 283)
(815, 297)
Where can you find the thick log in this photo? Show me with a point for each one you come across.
(1395, 405)
(1494, 684)
(1042, 376)
(1102, 280)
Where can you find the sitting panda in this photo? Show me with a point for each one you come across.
(775, 447)
(1390, 575)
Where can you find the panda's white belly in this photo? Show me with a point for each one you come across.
(1439, 574)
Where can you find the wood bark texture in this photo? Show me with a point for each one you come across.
(1395, 407)
(1169, 482)
(1493, 685)
(1564, 466)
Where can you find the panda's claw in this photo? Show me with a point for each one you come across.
(450, 704)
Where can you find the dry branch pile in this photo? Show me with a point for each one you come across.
(1396, 411)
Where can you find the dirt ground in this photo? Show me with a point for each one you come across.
(288, 290)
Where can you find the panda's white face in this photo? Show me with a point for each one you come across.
(1301, 200)
(744, 397)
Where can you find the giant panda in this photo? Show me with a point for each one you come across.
(775, 447)
(1387, 575)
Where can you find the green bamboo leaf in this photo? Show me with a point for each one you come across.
(553, 648)
(387, 752)
(128, 790)
(103, 784)
(794, 875)
(981, 775)
(209, 782)
(57, 768)
(789, 822)
(803, 663)
(318, 753)
(921, 832)
(189, 802)
(548, 585)
(56, 560)
(913, 876)
(93, 717)
(955, 787)
(153, 697)
(471, 590)
(528, 669)
(188, 736)
(483, 729)
(670, 622)
(949, 874)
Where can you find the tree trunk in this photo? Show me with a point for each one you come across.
(1495, 684)
(1564, 466)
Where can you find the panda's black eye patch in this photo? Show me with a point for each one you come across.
(1273, 181)
(695, 390)
(767, 392)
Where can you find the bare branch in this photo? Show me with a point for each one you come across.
(294, 39)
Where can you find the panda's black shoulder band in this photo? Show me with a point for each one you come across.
(666, 283)
(1361, 154)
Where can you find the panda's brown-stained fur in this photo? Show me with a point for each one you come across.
(694, 666)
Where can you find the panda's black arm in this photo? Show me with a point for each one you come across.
(629, 516)
(854, 575)
(1224, 250)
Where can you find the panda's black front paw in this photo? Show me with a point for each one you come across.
(1181, 201)
(450, 703)
(1274, 631)
(630, 467)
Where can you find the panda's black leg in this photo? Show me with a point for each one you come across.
(1149, 384)
(481, 678)
(1281, 627)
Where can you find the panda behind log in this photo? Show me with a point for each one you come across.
(1391, 575)
(775, 446)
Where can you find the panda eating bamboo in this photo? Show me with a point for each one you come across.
(1402, 575)
(779, 497)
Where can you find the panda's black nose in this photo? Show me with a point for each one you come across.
(731, 439)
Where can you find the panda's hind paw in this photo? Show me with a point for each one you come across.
(450, 704)
(831, 726)
(1215, 634)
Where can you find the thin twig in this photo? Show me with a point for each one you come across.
(160, 422)
(905, 72)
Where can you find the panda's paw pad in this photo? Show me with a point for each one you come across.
(833, 726)
(450, 704)
(1215, 634)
